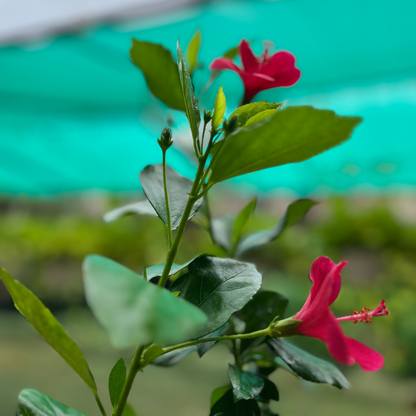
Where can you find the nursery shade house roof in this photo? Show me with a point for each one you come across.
(76, 114)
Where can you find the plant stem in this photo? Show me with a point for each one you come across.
(189, 205)
(100, 405)
(261, 333)
(165, 186)
(134, 368)
(236, 348)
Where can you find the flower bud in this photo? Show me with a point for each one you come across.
(165, 140)
(207, 116)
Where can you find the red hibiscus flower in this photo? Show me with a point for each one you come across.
(319, 322)
(263, 72)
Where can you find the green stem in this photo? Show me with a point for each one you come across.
(261, 333)
(165, 186)
(100, 405)
(188, 208)
(134, 369)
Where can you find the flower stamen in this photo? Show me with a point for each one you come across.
(366, 314)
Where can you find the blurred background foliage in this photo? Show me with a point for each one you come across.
(43, 244)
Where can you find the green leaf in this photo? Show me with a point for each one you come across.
(242, 220)
(219, 109)
(140, 208)
(269, 392)
(204, 347)
(246, 386)
(291, 135)
(173, 357)
(179, 187)
(48, 327)
(294, 213)
(35, 403)
(246, 112)
(191, 105)
(157, 270)
(307, 366)
(116, 381)
(192, 51)
(128, 410)
(259, 117)
(222, 231)
(218, 393)
(160, 71)
(225, 406)
(219, 287)
(151, 353)
(259, 313)
(135, 311)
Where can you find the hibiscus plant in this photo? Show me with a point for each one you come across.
(168, 311)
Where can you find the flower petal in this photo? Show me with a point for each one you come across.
(249, 60)
(337, 342)
(321, 295)
(367, 358)
(278, 63)
(224, 63)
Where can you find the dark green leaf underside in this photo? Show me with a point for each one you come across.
(308, 366)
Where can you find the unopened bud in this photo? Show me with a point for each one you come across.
(207, 116)
(165, 140)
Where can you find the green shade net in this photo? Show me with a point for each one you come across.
(75, 113)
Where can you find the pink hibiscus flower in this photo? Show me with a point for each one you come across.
(263, 72)
(319, 322)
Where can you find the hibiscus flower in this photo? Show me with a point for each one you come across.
(263, 72)
(317, 320)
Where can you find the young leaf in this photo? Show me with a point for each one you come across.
(225, 406)
(128, 410)
(151, 353)
(48, 327)
(259, 313)
(192, 51)
(219, 287)
(259, 117)
(246, 112)
(116, 381)
(160, 71)
(35, 403)
(191, 105)
(307, 366)
(179, 187)
(135, 311)
(219, 109)
(140, 208)
(294, 213)
(246, 386)
(241, 221)
(291, 135)
(222, 231)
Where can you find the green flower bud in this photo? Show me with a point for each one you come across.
(207, 116)
(165, 140)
